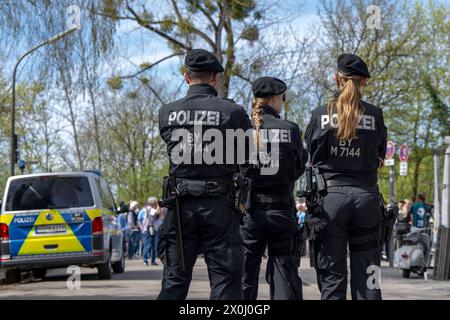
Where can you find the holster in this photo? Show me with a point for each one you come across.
(297, 246)
(389, 215)
(315, 221)
(242, 201)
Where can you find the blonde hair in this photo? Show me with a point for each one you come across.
(133, 204)
(347, 106)
(258, 103)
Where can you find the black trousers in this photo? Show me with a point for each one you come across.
(273, 228)
(355, 219)
(210, 226)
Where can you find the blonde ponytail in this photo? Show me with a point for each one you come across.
(258, 103)
(347, 106)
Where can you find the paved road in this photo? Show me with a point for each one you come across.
(142, 282)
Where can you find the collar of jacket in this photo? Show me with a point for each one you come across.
(269, 110)
(201, 89)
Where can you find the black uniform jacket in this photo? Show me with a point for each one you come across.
(201, 107)
(292, 155)
(352, 160)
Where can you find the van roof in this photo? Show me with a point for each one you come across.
(65, 174)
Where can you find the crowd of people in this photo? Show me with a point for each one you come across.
(418, 214)
(140, 228)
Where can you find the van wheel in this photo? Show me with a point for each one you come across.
(12, 276)
(119, 266)
(40, 273)
(105, 269)
(406, 273)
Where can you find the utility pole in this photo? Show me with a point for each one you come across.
(437, 199)
(13, 143)
(442, 260)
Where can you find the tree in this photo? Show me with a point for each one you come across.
(220, 26)
(399, 55)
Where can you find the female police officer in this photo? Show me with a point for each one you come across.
(271, 218)
(347, 143)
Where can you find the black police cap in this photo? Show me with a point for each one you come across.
(267, 87)
(198, 60)
(350, 64)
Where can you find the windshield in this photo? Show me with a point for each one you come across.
(49, 192)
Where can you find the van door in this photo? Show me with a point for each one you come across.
(112, 227)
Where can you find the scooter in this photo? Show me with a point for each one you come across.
(414, 252)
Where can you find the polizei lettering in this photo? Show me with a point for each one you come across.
(366, 122)
(24, 220)
(197, 117)
(276, 135)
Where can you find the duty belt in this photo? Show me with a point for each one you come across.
(349, 183)
(199, 188)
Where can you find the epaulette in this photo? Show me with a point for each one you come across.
(230, 100)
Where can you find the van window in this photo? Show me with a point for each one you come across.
(105, 195)
(49, 192)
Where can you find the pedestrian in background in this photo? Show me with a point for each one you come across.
(156, 217)
(420, 212)
(146, 220)
(405, 210)
(123, 223)
(301, 212)
(133, 229)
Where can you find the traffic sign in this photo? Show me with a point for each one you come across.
(403, 153)
(403, 168)
(389, 162)
(390, 150)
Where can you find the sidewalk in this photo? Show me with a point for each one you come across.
(144, 282)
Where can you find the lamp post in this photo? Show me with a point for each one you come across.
(13, 99)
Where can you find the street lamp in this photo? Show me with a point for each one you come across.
(13, 102)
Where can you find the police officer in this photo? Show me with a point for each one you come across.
(271, 219)
(208, 222)
(347, 143)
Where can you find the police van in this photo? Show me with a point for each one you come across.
(55, 220)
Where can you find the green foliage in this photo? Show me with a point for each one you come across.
(167, 24)
(440, 110)
(144, 65)
(132, 95)
(144, 80)
(185, 27)
(115, 83)
(110, 8)
(241, 9)
(251, 33)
